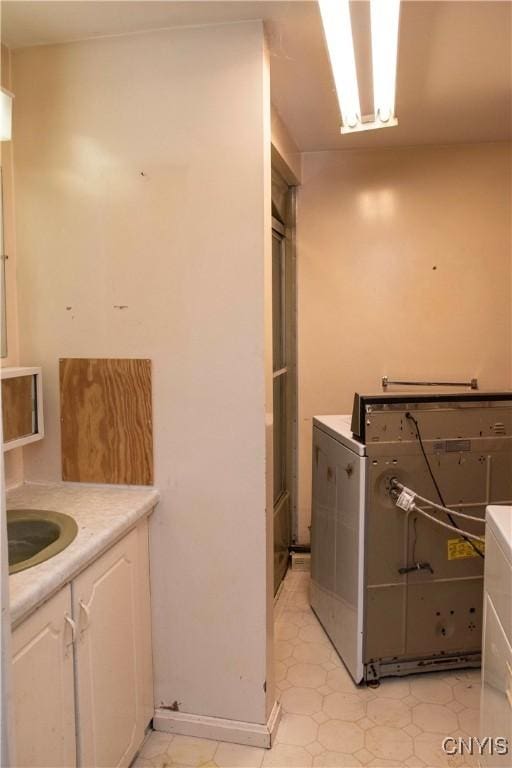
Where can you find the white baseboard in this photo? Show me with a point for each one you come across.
(235, 731)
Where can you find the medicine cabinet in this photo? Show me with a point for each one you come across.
(22, 406)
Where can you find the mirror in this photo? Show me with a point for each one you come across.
(22, 406)
(18, 413)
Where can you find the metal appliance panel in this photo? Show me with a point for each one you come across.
(367, 404)
(438, 613)
(430, 617)
(444, 617)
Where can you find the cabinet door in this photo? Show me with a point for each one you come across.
(110, 657)
(496, 698)
(43, 687)
(144, 625)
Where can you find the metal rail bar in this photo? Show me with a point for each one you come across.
(473, 384)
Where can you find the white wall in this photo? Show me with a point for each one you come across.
(14, 457)
(143, 179)
(404, 269)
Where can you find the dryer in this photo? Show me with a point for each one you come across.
(396, 592)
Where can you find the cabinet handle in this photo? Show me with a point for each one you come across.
(72, 624)
(85, 610)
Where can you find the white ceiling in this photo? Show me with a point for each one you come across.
(454, 70)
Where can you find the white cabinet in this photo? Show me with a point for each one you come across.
(111, 655)
(43, 686)
(496, 699)
(105, 674)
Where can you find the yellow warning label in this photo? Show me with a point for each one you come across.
(458, 549)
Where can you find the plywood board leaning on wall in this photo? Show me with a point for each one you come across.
(106, 421)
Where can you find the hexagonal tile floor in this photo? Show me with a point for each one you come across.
(329, 721)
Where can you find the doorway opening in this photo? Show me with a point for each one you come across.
(284, 327)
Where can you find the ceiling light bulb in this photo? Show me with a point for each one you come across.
(384, 16)
(338, 35)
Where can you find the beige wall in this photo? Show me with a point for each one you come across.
(143, 179)
(404, 269)
(286, 157)
(13, 458)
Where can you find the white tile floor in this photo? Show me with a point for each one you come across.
(327, 720)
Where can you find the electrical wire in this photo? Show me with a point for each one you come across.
(466, 535)
(436, 486)
(430, 503)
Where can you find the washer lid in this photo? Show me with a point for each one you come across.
(499, 519)
(339, 428)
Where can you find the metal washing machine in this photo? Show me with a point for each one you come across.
(399, 497)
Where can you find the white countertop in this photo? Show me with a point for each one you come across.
(499, 519)
(103, 515)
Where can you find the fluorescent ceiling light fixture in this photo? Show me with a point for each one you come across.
(338, 35)
(384, 15)
(5, 115)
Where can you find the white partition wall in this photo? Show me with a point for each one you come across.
(142, 169)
